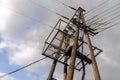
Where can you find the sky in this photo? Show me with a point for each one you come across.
(25, 24)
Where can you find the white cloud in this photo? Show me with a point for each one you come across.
(4, 14)
(23, 55)
(2, 45)
(24, 41)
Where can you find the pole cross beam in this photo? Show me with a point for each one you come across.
(85, 28)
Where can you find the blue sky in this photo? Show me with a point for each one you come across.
(24, 26)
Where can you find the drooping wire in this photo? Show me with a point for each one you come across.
(9, 73)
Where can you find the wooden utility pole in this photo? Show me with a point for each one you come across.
(73, 57)
(65, 60)
(55, 61)
(94, 64)
(65, 68)
(74, 49)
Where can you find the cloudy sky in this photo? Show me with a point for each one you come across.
(25, 24)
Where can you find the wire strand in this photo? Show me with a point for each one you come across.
(107, 28)
(96, 7)
(108, 22)
(106, 12)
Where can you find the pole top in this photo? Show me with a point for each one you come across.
(81, 9)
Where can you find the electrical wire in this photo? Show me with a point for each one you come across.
(114, 8)
(88, 11)
(91, 18)
(112, 25)
(108, 22)
(42, 23)
(104, 22)
(107, 12)
(100, 5)
(107, 27)
(107, 16)
(14, 71)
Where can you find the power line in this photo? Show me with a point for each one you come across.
(104, 22)
(107, 28)
(108, 11)
(96, 7)
(100, 18)
(99, 13)
(112, 10)
(108, 21)
(100, 29)
(22, 68)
